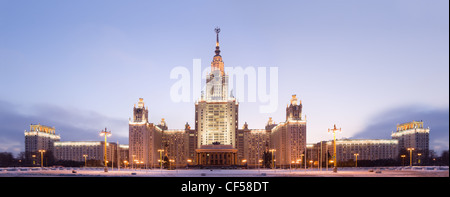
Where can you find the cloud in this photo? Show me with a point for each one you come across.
(384, 123)
(70, 124)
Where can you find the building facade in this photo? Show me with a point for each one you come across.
(92, 151)
(350, 150)
(412, 136)
(176, 146)
(216, 113)
(256, 142)
(144, 138)
(367, 149)
(288, 139)
(39, 138)
(75, 151)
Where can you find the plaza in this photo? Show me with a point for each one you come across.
(422, 171)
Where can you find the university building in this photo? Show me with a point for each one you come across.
(216, 139)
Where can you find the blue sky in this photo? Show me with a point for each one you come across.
(81, 66)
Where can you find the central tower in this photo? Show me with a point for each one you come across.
(217, 80)
(216, 113)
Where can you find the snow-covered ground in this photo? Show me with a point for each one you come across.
(422, 171)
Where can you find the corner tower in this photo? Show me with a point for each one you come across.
(294, 110)
(144, 138)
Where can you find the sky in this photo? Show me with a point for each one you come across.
(362, 65)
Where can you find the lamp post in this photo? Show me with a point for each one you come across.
(419, 154)
(189, 161)
(301, 157)
(410, 156)
(170, 163)
(259, 165)
(334, 130)
(356, 155)
(403, 159)
(136, 163)
(85, 159)
(273, 163)
(106, 134)
(160, 157)
(34, 159)
(42, 157)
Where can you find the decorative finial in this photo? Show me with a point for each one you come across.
(217, 30)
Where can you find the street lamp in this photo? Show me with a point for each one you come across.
(273, 162)
(189, 162)
(403, 159)
(410, 156)
(334, 145)
(301, 157)
(106, 134)
(42, 157)
(170, 163)
(160, 157)
(356, 155)
(136, 162)
(132, 162)
(85, 159)
(419, 154)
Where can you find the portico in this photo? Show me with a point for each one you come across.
(216, 155)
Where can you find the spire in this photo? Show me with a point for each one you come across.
(217, 63)
(217, 30)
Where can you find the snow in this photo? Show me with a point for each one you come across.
(422, 171)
